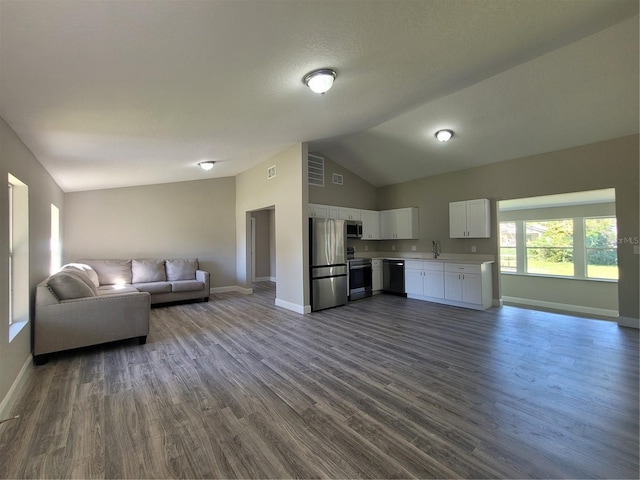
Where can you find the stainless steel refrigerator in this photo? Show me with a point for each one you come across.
(328, 262)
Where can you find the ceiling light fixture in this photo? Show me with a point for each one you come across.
(321, 80)
(444, 135)
(208, 165)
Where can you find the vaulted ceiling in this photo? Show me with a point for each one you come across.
(109, 94)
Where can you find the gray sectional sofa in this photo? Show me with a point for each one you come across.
(97, 301)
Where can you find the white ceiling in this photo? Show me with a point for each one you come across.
(108, 94)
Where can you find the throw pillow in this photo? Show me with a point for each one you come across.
(68, 284)
(181, 269)
(111, 272)
(146, 271)
(91, 273)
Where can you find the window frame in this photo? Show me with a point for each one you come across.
(580, 250)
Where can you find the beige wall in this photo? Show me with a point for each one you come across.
(173, 220)
(355, 192)
(613, 163)
(16, 159)
(287, 193)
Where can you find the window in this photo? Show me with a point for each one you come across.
(508, 258)
(580, 247)
(18, 257)
(549, 247)
(56, 250)
(601, 236)
(10, 254)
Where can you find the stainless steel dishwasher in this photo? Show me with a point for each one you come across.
(393, 277)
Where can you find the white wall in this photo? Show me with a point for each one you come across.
(15, 158)
(287, 192)
(173, 220)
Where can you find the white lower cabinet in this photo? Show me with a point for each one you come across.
(376, 275)
(424, 279)
(460, 284)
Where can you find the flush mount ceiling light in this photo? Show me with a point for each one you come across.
(444, 135)
(321, 80)
(208, 165)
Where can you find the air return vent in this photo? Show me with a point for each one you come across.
(316, 170)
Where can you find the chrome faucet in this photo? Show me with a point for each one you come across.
(435, 248)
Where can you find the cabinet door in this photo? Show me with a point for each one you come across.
(413, 282)
(471, 288)
(387, 225)
(478, 219)
(406, 223)
(458, 220)
(434, 284)
(370, 224)
(349, 213)
(376, 278)
(453, 286)
(319, 211)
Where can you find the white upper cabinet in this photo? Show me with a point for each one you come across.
(470, 219)
(322, 211)
(398, 224)
(370, 224)
(348, 213)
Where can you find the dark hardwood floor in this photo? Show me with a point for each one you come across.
(385, 387)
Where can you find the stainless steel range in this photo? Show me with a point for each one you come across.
(359, 278)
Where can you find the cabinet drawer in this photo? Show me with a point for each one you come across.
(434, 266)
(462, 268)
(413, 265)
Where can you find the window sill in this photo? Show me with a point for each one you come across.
(15, 328)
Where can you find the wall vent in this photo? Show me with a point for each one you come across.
(316, 170)
(337, 179)
(271, 172)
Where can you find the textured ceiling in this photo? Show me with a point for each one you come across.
(109, 94)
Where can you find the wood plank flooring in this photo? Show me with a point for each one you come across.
(385, 387)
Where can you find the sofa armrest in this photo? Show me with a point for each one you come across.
(90, 321)
(204, 276)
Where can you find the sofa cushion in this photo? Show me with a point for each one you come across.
(186, 286)
(153, 287)
(145, 271)
(111, 272)
(68, 284)
(181, 269)
(83, 267)
(116, 289)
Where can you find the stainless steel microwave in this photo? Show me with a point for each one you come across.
(354, 229)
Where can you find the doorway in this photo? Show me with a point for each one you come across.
(263, 246)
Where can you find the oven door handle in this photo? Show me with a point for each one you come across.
(359, 267)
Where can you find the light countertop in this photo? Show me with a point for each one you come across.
(473, 259)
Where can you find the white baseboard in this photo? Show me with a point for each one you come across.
(14, 392)
(497, 302)
(629, 322)
(293, 306)
(561, 306)
(265, 279)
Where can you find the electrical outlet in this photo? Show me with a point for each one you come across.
(636, 249)
(473, 249)
(413, 248)
(393, 248)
